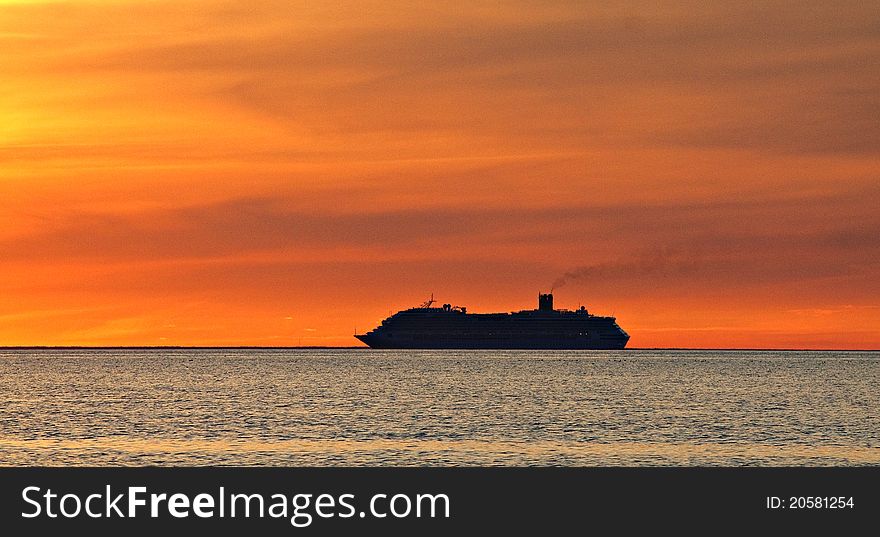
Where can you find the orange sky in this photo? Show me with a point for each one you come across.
(276, 172)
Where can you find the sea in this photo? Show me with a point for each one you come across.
(359, 407)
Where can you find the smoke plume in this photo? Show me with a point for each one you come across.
(655, 263)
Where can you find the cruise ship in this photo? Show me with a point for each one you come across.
(452, 327)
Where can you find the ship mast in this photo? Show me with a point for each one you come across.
(429, 302)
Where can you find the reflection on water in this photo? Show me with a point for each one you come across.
(356, 407)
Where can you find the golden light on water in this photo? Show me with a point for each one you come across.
(611, 453)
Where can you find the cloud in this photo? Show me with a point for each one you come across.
(736, 242)
(681, 82)
(771, 77)
(271, 152)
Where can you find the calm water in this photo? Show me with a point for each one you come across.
(359, 407)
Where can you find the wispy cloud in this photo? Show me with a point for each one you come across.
(683, 154)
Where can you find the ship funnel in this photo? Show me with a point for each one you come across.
(545, 302)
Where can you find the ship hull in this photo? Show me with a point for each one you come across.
(429, 343)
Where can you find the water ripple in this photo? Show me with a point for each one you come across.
(359, 407)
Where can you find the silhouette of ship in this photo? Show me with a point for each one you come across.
(452, 327)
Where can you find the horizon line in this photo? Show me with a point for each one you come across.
(326, 347)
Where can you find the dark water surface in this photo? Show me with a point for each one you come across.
(361, 407)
